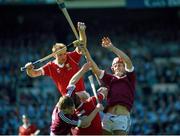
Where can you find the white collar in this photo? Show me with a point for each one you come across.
(120, 77)
(60, 65)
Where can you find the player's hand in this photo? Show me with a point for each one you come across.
(85, 122)
(99, 107)
(106, 43)
(81, 26)
(82, 49)
(103, 90)
(29, 66)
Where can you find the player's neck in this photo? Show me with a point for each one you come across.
(120, 76)
(60, 64)
(26, 125)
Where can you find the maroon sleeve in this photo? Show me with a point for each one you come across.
(75, 56)
(132, 78)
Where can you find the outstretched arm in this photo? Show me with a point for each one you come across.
(83, 38)
(79, 74)
(82, 32)
(82, 35)
(31, 71)
(95, 68)
(106, 42)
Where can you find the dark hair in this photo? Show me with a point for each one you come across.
(65, 102)
(76, 99)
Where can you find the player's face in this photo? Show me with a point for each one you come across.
(61, 57)
(25, 121)
(119, 69)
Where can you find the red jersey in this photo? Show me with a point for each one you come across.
(85, 109)
(121, 91)
(61, 124)
(27, 131)
(62, 75)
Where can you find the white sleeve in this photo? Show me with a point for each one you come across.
(129, 70)
(102, 74)
(79, 123)
(103, 96)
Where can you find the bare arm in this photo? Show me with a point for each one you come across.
(95, 68)
(82, 32)
(82, 36)
(31, 71)
(79, 74)
(106, 42)
(83, 48)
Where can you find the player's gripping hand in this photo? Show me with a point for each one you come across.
(81, 26)
(103, 91)
(29, 66)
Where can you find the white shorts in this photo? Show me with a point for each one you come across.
(113, 122)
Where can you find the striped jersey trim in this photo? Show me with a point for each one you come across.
(67, 120)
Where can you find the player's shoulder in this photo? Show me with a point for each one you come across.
(49, 63)
(109, 75)
(52, 63)
(72, 53)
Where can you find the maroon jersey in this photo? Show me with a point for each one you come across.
(121, 91)
(61, 124)
(62, 75)
(84, 110)
(31, 129)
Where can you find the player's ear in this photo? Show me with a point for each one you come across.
(112, 69)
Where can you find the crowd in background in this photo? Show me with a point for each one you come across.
(154, 50)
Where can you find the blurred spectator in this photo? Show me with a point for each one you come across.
(27, 128)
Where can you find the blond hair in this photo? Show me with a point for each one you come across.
(58, 46)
